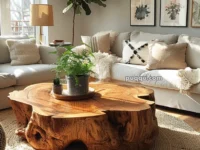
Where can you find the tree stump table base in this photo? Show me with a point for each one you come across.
(118, 117)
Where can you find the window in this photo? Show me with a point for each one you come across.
(20, 17)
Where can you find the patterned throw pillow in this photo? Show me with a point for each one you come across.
(135, 53)
(98, 43)
(23, 52)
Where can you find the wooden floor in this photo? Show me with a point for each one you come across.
(190, 118)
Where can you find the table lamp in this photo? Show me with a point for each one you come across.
(41, 15)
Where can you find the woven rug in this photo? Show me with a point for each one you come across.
(174, 133)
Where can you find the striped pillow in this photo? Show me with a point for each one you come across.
(98, 43)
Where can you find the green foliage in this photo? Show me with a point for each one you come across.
(73, 64)
(56, 81)
(79, 5)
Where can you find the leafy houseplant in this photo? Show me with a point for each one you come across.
(78, 6)
(77, 68)
(57, 87)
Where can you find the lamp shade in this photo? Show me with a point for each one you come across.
(41, 15)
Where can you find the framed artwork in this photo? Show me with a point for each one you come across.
(143, 12)
(173, 13)
(195, 18)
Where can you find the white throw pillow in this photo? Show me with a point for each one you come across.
(79, 49)
(23, 52)
(98, 43)
(135, 53)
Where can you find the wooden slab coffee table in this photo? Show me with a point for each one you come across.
(118, 117)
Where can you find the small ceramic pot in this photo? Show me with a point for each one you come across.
(57, 89)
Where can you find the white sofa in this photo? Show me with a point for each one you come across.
(166, 93)
(17, 77)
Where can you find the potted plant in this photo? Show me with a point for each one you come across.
(77, 68)
(78, 6)
(57, 87)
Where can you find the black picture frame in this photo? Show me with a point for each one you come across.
(154, 21)
(178, 26)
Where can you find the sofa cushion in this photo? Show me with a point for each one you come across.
(4, 53)
(193, 51)
(161, 78)
(117, 47)
(126, 72)
(7, 80)
(113, 35)
(29, 74)
(143, 36)
(166, 79)
(23, 52)
(163, 56)
(135, 53)
(99, 42)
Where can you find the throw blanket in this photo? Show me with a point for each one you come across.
(103, 63)
(188, 77)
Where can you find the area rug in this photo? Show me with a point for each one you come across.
(174, 134)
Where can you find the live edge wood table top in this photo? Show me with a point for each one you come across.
(118, 117)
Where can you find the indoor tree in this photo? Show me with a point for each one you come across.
(78, 6)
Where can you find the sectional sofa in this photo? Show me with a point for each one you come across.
(166, 93)
(17, 77)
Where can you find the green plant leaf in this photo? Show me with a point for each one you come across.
(74, 64)
(86, 8)
(67, 8)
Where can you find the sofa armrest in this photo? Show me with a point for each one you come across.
(47, 57)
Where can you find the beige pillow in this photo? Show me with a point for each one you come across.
(98, 43)
(113, 35)
(163, 56)
(23, 52)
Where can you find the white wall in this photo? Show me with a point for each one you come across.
(62, 29)
(116, 16)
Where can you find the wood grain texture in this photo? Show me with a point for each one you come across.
(118, 117)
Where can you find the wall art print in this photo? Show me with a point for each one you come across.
(143, 12)
(174, 13)
(195, 18)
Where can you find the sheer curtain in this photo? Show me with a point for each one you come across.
(5, 17)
